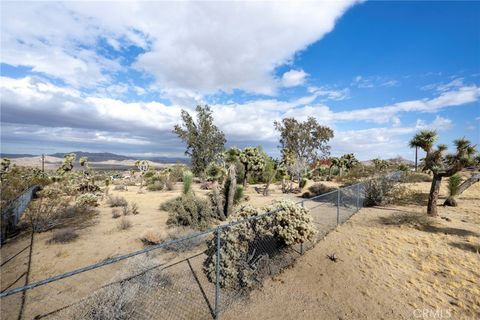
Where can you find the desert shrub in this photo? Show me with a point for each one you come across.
(176, 172)
(169, 184)
(87, 199)
(76, 211)
(380, 191)
(215, 172)
(303, 183)
(238, 196)
(243, 245)
(117, 201)
(317, 189)
(136, 287)
(116, 213)
(125, 210)
(175, 233)
(45, 212)
(415, 177)
(155, 186)
(187, 182)
(63, 235)
(152, 237)
(188, 210)
(124, 224)
(120, 187)
(416, 220)
(134, 209)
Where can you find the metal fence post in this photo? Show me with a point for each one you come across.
(338, 207)
(301, 244)
(358, 196)
(217, 277)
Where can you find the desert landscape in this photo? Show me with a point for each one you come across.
(240, 160)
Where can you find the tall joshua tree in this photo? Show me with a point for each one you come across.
(424, 140)
(442, 165)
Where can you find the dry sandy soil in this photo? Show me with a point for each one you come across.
(386, 269)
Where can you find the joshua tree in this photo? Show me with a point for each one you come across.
(204, 140)
(252, 160)
(450, 201)
(334, 162)
(5, 166)
(442, 165)
(350, 161)
(380, 164)
(67, 165)
(424, 140)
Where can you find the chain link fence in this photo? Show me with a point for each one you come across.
(187, 278)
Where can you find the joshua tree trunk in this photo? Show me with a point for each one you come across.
(231, 190)
(450, 201)
(218, 201)
(245, 178)
(270, 179)
(433, 196)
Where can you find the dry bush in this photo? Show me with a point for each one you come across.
(188, 210)
(191, 244)
(416, 177)
(316, 190)
(152, 237)
(125, 210)
(169, 184)
(134, 208)
(117, 201)
(120, 187)
(45, 212)
(380, 191)
(135, 289)
(124, 224)
(155, 186)
(116, 213)
(63, 235)
(206, 185)
(87, 199)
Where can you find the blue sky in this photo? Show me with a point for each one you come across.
(114, 76)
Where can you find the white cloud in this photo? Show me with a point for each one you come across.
(330, 94)
(202, 47)
(294, 78)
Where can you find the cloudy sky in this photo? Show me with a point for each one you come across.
(113, 76)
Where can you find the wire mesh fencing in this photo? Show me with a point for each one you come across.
(194, 277)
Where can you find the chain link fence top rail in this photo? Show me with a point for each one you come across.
(168, 280)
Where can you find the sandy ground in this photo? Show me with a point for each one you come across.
(384, 272)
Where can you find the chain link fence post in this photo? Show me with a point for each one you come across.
(302, 250)
(338, 207)
(358, 196)
(217, 276)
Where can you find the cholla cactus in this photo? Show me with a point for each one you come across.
(215, 172)
(142, 165)
(87, 199)
(289, 223)
(253, 161)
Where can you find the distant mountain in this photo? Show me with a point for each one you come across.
(101, 157)
(15, 155)
(94, 156)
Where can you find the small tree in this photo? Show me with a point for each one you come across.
(442, 165)
(306, 140)
(204, 140)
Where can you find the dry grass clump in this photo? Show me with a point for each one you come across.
(63, 235)
(117, 201)
(416, 177)
(116, 213)
(120, 188)
(124, 224)
(87, 199)
(152, 237)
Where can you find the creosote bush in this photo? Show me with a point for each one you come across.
(242, 245)
(63, 235)
(117, 201)
(189, 210)
(416, 177)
